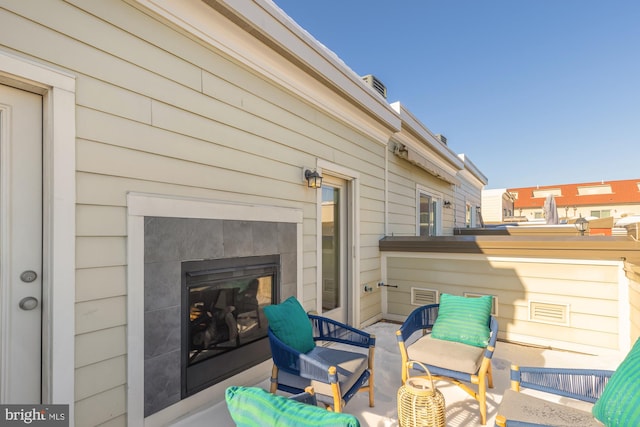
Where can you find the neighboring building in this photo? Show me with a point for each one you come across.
(148, 147)
(445, 184)
(497, 206)
(604, 199)
(469, 196)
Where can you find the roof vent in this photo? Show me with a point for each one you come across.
(376, 84)
(442, 138)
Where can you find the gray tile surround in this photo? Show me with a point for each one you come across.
(168, 242)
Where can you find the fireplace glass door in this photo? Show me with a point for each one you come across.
(226, 328)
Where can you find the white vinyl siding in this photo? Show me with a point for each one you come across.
(468, 193)
(160, 112)
(590, 289)
(404, 178)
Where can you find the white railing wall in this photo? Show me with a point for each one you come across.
(572, 304)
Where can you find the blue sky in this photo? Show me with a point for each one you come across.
(534, 92)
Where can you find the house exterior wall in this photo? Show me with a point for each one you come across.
(160, 110)
(404, 182)
(468, 194)
(616, 199)
(633, 275)
(419, 161)
(494, 204)
(616, 211)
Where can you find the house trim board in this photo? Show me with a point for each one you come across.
(140, 205)
(352, 178)
(59, 190)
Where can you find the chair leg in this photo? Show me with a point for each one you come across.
(337, 397)
(482, 399)
(274, 379)
(490, 375)
(371, 383)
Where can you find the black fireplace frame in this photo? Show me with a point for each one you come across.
(206, 373)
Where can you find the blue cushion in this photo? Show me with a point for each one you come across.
(253, 407)
(290, 323)
(463, 319)
(619, 404)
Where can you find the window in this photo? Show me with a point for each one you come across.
(601, 213)
(467, 216)
(429, 214)
(537, 194)
(594, 189)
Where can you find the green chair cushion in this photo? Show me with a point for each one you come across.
(290, 323)
(253, 406)
(619, 404)
(464, 320)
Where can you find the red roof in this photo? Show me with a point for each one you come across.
(582, 194)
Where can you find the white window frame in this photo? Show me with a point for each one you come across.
(473, 215)
(437, 197)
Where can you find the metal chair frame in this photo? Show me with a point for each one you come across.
(325, 330)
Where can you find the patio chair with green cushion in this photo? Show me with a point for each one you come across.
(334, 371)
(253, 407)
(455, 340)
(615, 395)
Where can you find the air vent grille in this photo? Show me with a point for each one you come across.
(376, 84)
(421, 296)
(557, 314)
(494, 301)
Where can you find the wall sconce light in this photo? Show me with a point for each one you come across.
(447, 204)
(582, 224)
(314, 179)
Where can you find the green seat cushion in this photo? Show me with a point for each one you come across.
(619, 404)
(253, 406)
(464, 320)
(290, 323)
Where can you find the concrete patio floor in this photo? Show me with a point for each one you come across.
(461, 409)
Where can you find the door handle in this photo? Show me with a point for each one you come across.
(28, 303)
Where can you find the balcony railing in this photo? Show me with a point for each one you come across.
(565, 292)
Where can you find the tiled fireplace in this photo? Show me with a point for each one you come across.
(205, 284)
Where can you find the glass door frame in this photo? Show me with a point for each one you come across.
(348, 180)
(338, 282)
(435, 209)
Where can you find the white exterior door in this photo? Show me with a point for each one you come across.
(21, 246)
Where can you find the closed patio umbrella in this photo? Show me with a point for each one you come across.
(550, 210)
